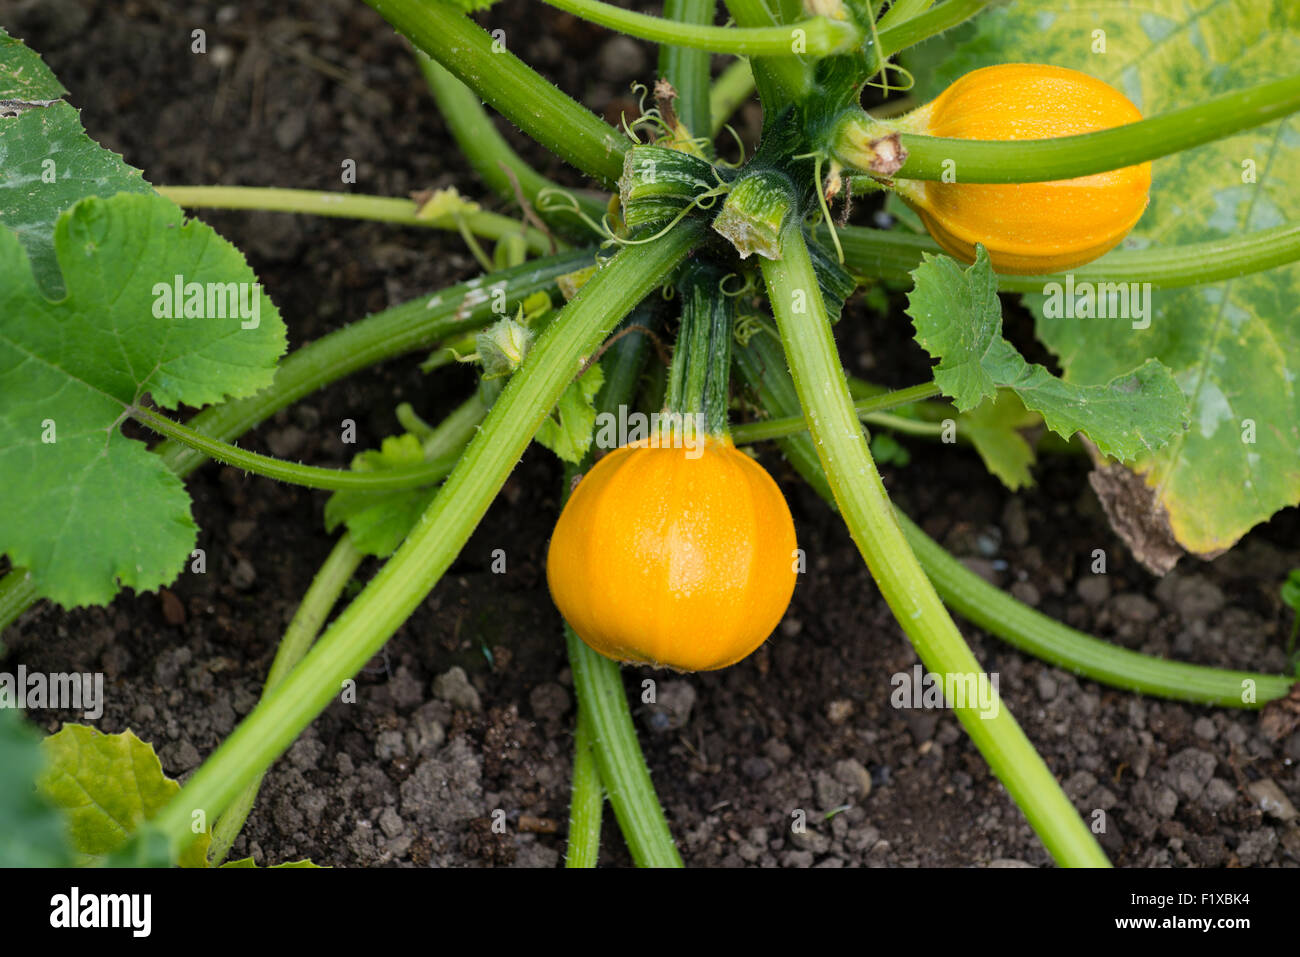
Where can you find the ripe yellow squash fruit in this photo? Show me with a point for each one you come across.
(1028, 228)
(674, 555)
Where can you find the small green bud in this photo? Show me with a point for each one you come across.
(503, 346)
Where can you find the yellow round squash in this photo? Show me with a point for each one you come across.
(674, 555)
(1028, 228)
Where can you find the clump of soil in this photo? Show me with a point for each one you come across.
(467, 717)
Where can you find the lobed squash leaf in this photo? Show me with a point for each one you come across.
(88, 510)
(958, 319)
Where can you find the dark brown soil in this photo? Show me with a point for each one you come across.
(411, 777)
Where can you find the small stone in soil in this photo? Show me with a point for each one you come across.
(454, 688)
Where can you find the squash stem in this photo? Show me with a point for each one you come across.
(602, 702)
(824, 394)
(701, 366)
(587, 805)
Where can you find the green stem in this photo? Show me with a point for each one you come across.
(405, 328)
(698, 378)
(733, 87)
(893, 255)
(587, 805)
(598, 681)
(688, 69)
(492, 226)
(823, 37)
(17, 594)
(322, 595)
(309, 476)
(779, 79)
(487, 151)
(998, 613)
(894, 38)
(900, 11)
(404, 581)
(622, 767)
(794, 424)
(514, 89)
(1066, 157)
(824, 394)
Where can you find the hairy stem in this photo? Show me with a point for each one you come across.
(687, 69)
(403, 212)
(877, 254)
(553, 119)
(823, 392)
(496, 163)
(794, 424)
(1066, 157)
(823, 37)
(294, 473)
(587, 804)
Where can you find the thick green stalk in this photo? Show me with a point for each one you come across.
(587, 805)
(523, 96)
(627, 779)
(1065, 157)
(733, 87)
(413, 325)
(900, 11)
(351, 206)
(688, 69)
(794, 424)
(308, 476)
(874, 253)
(404, 581)
(824, 394)
(322, 595)
(896, 37)
(602, 702)
(496, 163)
(823, 37)
(780, 80)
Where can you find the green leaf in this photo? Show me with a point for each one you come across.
(993, 427)
(1291, 589)
(958, 320)
(107, 786)
(47, 162)
(247, 862)
(887, 450)
(69, 369)
(32, 831)
(380, 521)
(567, 432)
(1234, 347)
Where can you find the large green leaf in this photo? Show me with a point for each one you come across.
(1234, 346)
(47, 162)
(86, 509)
(108, 785)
